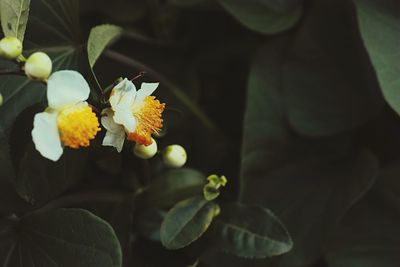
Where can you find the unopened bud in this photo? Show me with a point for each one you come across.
(174, 156)
(10, 47)
(145, 152)
(38, 66)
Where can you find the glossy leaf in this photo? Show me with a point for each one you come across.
(14, 17)
(379, 22)
(260, 17)
(99, 38)
(63, 238)
(187, 221)
(251, 232)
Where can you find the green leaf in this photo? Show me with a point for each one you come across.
(328, 82)
(174, 186)
(99, 38)
(369, 234)
(63, 238)
(40, 180)
(251, 232)
(187, 221)
(14, 17)
(259, 16)
(308, 183)
(379, 22)
(10, 201)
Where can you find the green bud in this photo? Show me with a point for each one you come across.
(1, 99)
(217, 181)
(145, 152)
(10, 47)
(174, 156)
(38, 66)
(211, 189)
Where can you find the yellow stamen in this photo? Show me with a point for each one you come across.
(149, 120)
(77, 126)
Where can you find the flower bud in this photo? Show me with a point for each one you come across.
(145, 152)
(174, 156)
(1, 99)
(38, 66)
(10, 47)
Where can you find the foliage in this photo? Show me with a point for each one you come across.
(294, 103)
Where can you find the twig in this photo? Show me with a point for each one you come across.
(12, 72)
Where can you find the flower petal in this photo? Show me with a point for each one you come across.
(114, 139)
(45, 135)
(108, 122)
(146, 90)
(125, 117)
(65, 88)
(123, 95)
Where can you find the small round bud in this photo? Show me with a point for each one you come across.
(38, 66)
(145, 152)
(174, 156)
(10, 47)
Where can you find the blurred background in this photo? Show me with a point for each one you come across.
(296, 102)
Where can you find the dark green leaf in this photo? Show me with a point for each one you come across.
(369, 234)
(260, 17)
(328, 82)
(251, 232)
(10, 201)
(309, 184)
(174, 186)
(60, 238)
(379, 22)
(99, 38)
(39, 180)
(187, 221)
(14, 17)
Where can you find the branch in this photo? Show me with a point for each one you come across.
(12, 72)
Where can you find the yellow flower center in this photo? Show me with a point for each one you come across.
(149, 121)
(77, 126)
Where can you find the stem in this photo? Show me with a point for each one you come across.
(12, 72)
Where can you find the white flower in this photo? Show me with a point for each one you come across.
(69, 120)
(134, 114)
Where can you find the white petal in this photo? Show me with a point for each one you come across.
(114, 139)
(65, 88)
(45, 135)
(146, 90)
(125, 117)
(108, 122)
(123, 95)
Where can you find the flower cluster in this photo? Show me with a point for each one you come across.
(69, 120)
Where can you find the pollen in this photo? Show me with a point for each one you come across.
(149, 120)
(77, 126)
